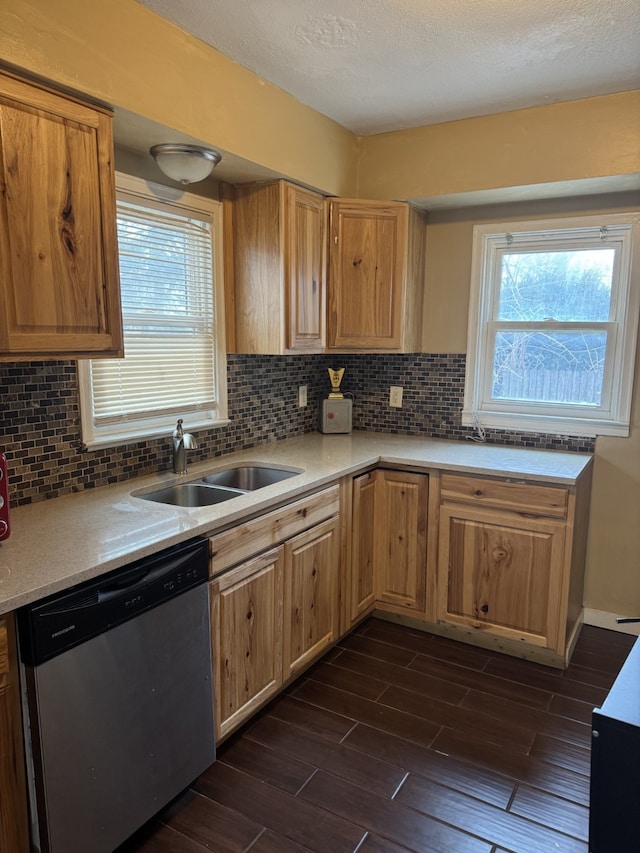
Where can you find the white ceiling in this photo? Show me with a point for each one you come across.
(381, 65)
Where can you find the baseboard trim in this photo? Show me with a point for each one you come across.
(604, 619)
(473, 637)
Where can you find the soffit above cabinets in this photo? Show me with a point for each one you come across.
(384, 65)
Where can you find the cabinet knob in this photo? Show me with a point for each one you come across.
(485, 608)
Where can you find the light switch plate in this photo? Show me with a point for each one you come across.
(302, 395)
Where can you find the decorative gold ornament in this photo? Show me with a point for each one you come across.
(336, 378)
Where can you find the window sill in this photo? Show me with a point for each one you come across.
(518, 422)
(119, 439)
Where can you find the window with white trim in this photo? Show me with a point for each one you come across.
(170, 251)
(553, 322)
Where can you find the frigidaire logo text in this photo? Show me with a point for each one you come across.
(63, 631)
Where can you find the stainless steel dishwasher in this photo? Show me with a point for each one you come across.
(117, 699)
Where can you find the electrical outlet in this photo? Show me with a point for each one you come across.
(302, 395)
(395, 396)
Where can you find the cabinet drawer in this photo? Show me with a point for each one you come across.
(245, 540)
(548, 501)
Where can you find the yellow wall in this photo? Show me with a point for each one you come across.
(613, 566)
(575, 140)
(613, 556)
(120, 53)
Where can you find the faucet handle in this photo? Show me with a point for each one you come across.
(178, 432)
(189, 441)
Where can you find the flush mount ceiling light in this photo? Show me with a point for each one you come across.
(185, 163)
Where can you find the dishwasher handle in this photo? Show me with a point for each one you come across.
(138, 579)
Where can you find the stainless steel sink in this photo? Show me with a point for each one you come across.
(249, 477)
(192, 495)
(221, 486)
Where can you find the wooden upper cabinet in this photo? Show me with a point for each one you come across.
(376, 276)
(59, 283)
(305, 247)
(276, 233)
(277, 257)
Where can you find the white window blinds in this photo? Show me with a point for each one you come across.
(169, 323)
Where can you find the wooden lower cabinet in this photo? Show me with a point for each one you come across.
(401, 546)
(511, 563)
(503, 573)
(311, 612)
(491, 561)
(274, 602)
(485, 560)
(246, 628)
(14, 827)
(389, 543)
(361, 582)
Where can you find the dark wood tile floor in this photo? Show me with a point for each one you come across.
(402, 741)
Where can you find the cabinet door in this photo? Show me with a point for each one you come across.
(311, 595)
(361, 584)
(501, 574)
(305, 246)
(246, 639)
(254, 241)
(401, 531)
(59, 283)
(367, 274)
(276, 259)
(14, 832)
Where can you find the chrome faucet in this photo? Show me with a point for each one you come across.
(182, 441)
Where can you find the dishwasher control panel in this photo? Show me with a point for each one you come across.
(64, 620)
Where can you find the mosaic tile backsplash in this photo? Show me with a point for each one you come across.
(40, 415)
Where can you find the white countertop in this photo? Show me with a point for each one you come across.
(57, 543)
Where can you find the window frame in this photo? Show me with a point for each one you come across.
(160, 424)
(490, 242)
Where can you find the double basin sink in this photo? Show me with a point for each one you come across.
(220, 486)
